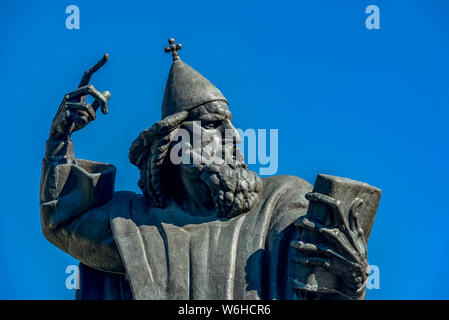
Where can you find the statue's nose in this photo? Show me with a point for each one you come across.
(230, 132)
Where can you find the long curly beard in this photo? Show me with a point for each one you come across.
(234, 189)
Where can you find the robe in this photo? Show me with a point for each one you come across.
(128, 250)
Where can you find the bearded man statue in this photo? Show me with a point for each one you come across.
(201, 229)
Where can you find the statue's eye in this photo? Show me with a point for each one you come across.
(211, 124)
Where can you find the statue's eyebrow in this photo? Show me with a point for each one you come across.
(210, 113)
(212, 117)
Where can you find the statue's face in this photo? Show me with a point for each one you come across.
(219, 174)
(212, 135)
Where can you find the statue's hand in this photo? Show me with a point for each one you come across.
(74, 113)
(345, 252)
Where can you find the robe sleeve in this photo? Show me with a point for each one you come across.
(288, 203)
(76, 197)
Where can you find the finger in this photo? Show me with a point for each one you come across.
(83, 106)
(353, 212)
(82, 114)
(96, 103)
(332, 266)
(333, 236)
(308, 289)
(305, 223)
(76, 95)
(334, 204)
(81, 119)
(356, 227)
(340, 217)
(86, 90)
(313, 262)
(88, 74)
(304, 287)
(97, 95)
(337, 209)
(329, 265)
(323, 252)
(322, 198)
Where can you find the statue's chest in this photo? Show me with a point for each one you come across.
(214, 260)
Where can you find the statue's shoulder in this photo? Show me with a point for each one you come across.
(284, 197)
(286, 190)
(287, 182)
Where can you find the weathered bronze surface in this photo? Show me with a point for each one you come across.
(198, 231)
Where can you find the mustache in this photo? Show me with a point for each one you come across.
(224, 154)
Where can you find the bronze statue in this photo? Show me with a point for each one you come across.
(199, 230)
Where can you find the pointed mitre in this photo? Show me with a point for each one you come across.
(187, 89)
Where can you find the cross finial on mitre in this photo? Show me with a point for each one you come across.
(173, 48)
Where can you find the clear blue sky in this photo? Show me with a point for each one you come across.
(371, 105)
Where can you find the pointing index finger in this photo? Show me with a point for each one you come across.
(88, 74)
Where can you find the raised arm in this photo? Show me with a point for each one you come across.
(74, 193)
